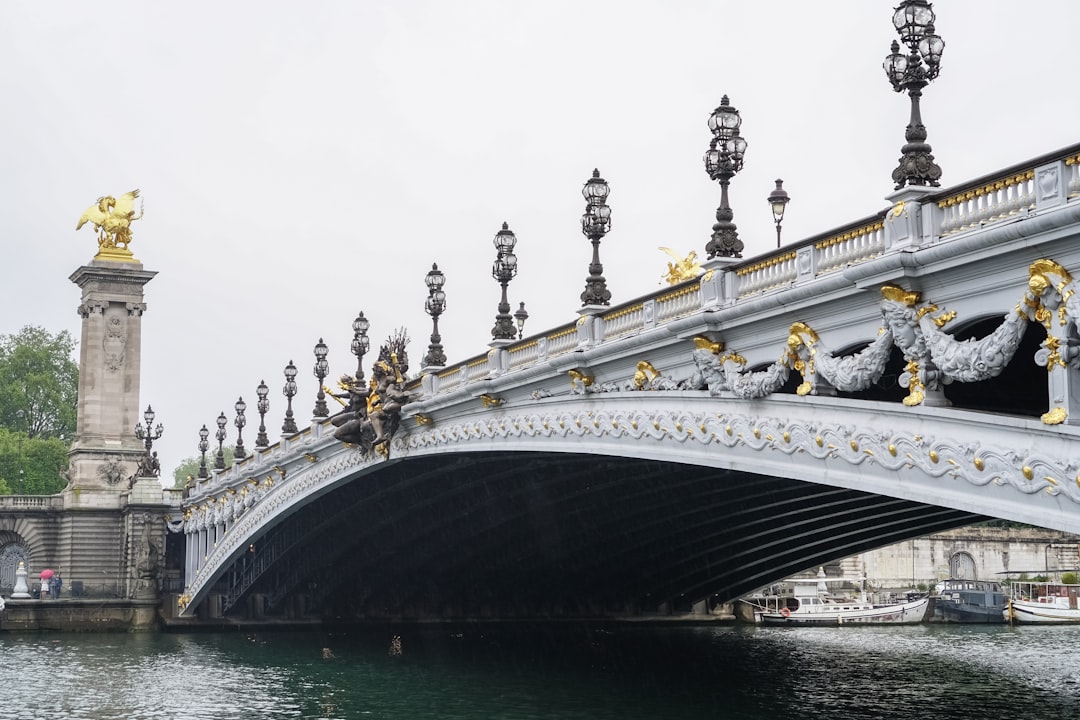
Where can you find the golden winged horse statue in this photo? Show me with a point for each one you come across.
(112, 218)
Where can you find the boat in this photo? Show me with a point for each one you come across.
(810, 603)
(969, 601)
(1037, 603)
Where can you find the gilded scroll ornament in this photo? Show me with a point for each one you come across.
(1055, 416)
(112, 218)
(579, 381)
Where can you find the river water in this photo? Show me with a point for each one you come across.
(569, 672)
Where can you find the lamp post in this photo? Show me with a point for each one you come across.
(434, 306)
(595, 223)
(263, 406)
(914, 21)
(219, 461)
(778, 200)
(289, 426)
(321, 370)
(149, 434)
(239, 453)
(1046, 561)
(723, 159)
(504, 269)
(204, 445)
(520, 316)
(360, 343)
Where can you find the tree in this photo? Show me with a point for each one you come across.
(190, 466)
(39, 383)
(31, 466)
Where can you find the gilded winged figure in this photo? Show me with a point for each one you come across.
(684, 268)
(112, 218)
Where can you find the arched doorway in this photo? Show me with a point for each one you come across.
(11, 555)
(962, 566)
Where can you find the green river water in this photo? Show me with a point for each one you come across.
(571, 672)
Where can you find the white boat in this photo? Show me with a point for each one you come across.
(1044, 603)
(810, 603)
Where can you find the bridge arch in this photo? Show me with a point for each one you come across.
(729, 495)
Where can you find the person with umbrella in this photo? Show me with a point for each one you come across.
(45, 588)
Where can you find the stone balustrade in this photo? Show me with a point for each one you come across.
(31, 502)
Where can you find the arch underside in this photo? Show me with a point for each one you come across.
(530, 533)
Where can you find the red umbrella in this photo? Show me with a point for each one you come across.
(46, 574)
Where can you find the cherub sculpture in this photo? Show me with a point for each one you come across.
(112, 218)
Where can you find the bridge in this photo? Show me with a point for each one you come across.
(912, 371)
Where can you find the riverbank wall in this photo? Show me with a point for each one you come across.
(79, 615)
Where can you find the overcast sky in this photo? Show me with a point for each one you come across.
(300, 162)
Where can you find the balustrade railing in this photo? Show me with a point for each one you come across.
(767, 274)
(678, 303)
(624, 321)
(31, 502)
(476, 368)
(524, 354)
(561, 340)
(863, 241)
(987, 203)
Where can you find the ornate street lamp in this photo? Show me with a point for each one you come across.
(723, 159)
(504, 269)
(434, 306)
(778, 200)
(219, 461)
(289, 426)
(360, 343)
(204, 445)
(149, 434)
(914, 21)
(520, 316)
(239, 453)
(263, 406)
(595, 223)
(321, 370)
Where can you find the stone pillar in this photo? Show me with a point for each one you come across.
(105, 451)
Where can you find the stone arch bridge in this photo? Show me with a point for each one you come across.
(913, 371)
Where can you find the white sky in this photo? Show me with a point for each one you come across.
(300, 162)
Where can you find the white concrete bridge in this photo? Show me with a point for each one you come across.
(912, 371)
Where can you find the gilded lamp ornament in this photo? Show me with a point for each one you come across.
(112, 218)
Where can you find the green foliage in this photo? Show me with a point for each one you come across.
(190, 466)
(39, 383)
(1069, 578)
(31, 465)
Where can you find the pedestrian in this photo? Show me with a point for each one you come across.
(55, 587)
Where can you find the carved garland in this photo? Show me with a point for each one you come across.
(932, 357)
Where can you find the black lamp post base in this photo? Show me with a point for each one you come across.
(917, 167)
